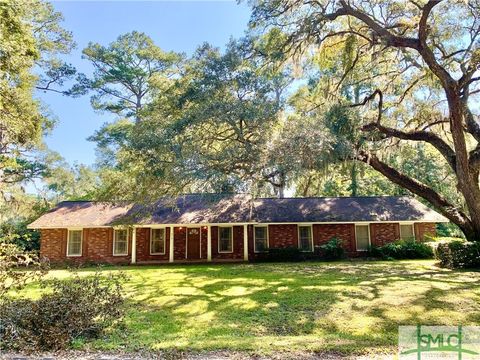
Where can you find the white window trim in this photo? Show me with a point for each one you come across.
(113, 242)
(254, 240)
(231, 239)
(369, 237)
(311, 237)
(400, 230)
(81, 241)
(164, 241)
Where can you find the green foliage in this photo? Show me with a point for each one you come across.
(393, 74)
(207, 132)
(276, 306)
(284, 254)
(65, 182)
(79, 308)
(442, 239)
(131, 76)
(16, 232)
(403, 249)
(342, 123)
(458, 254)
(332, 249)
(14, 263)
(110, 139)
(17, 210)
(30, 39)
(448, 230)
(127, 73)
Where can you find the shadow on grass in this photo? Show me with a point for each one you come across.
(342, 306)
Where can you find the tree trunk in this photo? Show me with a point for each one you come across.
(455, 215)
(467, 183)
(353, 180)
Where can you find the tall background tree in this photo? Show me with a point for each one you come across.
(128, 74)
(421, 68)
(32, 41)
(206, 132)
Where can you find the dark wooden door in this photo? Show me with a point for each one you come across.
(193, 243)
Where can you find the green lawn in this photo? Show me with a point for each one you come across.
(348, 307)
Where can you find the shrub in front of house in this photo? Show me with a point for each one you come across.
(403, 249)
(68, 310)
(458, 254)
(332, 249)
(285, 254)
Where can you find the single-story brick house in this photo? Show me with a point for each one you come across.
(225, 228)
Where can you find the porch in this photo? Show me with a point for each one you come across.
(188, 243)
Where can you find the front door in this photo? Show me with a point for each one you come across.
(193, 243)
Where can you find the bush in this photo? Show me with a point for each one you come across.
(332, 249)
(73, 309)
(402, 249)
(285, 254)
(13, 263)
(458, 254)
(441, 239)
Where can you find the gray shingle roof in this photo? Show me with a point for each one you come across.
(214, 209)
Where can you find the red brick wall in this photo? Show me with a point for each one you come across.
(384, 233)
(100, 246)
(97, 246)
(97, 243)
(237, 253)
(53, 244)
(251, 249)
(324, 232)
(203, 242)
(422, 229)
(179, 243)
(143, 245)
(282, 236)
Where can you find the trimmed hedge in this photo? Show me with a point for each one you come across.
(458, 254)
(284, 254)
(331, 250)
(403, 249)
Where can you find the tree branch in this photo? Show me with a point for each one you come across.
(426, 136)
(441, 204)
(382, 32)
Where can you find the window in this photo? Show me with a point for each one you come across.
(261, 238)
(157, 242)
(362, 236)
(407, 232)
(305, 242)
(74, 243)
(120, 242)
(225, 241)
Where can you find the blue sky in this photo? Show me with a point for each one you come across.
(174, 25)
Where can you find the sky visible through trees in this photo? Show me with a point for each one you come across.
(175, 26)
(348, 100)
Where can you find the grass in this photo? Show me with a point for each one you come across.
(347, 307)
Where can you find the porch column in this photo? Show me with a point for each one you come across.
(245, 242)
(172, 237)
(209, 243)
(134, 245)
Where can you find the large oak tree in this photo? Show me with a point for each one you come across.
(421, 66)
